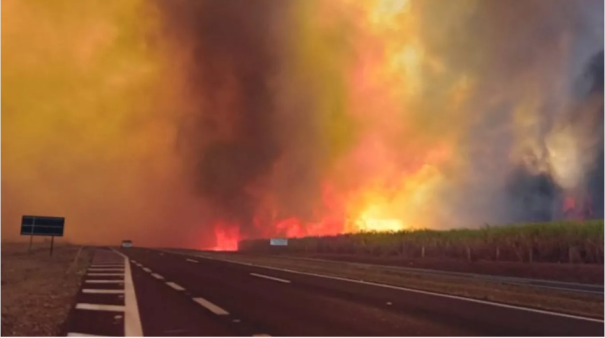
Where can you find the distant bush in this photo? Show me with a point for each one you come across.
(564, 241)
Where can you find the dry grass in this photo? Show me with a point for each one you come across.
(38, 290)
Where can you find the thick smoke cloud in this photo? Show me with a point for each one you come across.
(538, 196)
(172, 122)
(244, 139)
(87, 125)
(229, 139)
(596, 168)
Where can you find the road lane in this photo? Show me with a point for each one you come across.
(102, 305)
(166, 312)
(537, 283)
(484, 316)
(311, 305)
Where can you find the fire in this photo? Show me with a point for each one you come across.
(389, 176)
(306, 118)
(368, 223)
(577, 206)
(227, 238)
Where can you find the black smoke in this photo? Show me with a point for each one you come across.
(235, 129)
(229, 139)
(595, 173)
(535, 195)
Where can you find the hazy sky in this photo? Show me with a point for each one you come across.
(174, 122)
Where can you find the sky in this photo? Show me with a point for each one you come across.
(198, 123)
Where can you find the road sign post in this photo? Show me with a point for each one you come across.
(31, 237)
(42, 226)
(52, 242)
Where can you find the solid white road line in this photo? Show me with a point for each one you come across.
(146, 269)
(271, 278)
(217, 310)
(132, 319)
(104, 291)
(103, 281)
(104, 274)
(472, 300)
(106, 266)
(191, 260)
(155, 275)
(175, 286)
(99, 307)
(76, 334)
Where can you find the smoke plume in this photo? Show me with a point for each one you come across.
(196, 123)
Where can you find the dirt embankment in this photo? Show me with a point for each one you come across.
(38, 290)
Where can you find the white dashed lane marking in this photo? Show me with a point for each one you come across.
(155, 275)
(217, 310)
(191, 260)
(271, 278)
(175, 286)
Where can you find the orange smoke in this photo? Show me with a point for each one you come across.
(166, 123)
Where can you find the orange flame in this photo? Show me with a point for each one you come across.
(227, 237)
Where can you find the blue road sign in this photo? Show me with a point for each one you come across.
(42, 226)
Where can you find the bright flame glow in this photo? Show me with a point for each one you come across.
(376, 115)
(227, 238)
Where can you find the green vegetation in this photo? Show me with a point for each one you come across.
(564, 242)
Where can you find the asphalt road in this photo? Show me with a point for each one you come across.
(178, 295)
(536, 283)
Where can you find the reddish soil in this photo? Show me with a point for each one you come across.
(574, 273)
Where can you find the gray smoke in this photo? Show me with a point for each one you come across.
(537, 196)
(229, 138)
(237, 128)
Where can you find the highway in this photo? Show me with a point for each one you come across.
(179, 295)
(536, 283)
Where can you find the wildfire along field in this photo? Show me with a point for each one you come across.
(553, 242)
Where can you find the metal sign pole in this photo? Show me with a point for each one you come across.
(31, 236)
(52, 241)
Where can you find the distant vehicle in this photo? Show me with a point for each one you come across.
(127, 243)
